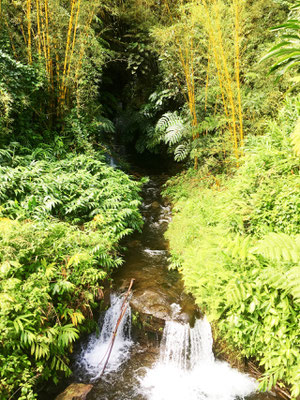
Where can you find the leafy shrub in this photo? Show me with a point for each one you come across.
(59, 232)
(240, 255)
(75, 189)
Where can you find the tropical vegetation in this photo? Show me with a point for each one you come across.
(211, 84)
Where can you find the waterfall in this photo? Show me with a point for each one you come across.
(187, 368)
(91, 359)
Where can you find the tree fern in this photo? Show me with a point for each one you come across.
(172, 127)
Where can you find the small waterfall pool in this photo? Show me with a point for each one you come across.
(185, 367)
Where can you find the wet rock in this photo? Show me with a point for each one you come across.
(155, 204)
(76, 391)
(151, 302)
(152, 308)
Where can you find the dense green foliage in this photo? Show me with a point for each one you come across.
(240, 254)
(59, 232)
(185, 78)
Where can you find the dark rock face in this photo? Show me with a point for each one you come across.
(76, 391)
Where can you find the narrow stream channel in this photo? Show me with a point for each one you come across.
(177, 363)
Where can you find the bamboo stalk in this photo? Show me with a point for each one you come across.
(206, 86)
(29, 31)
(237, 69)
(228, 82)
(213, 45)
(38, 26)
(81, 53)
(43, 37)
(69, 34)
(220, 74)
(73, 45)
(187, 63)
(47, 42)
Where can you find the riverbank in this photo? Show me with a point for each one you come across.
(235, 239)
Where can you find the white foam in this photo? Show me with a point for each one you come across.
(187, 368)
(92, 359)
(155, 252)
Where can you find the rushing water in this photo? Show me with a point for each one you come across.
(180, 366)
(187, 368)
(92, 358)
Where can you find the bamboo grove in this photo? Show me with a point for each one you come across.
(58, 35)
(204, 48)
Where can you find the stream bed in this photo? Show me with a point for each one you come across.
(169, 355)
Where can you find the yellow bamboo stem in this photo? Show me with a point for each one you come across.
(81, 53)
(73, 44)
(43, 36)
(29, 31)
(206, 85)
(69, 34)
(228, 82)
(47, 40)
(237, 69)
(38, 26)
(221, 77)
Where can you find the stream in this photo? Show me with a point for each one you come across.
(170, 357)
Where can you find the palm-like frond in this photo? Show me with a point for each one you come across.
(181, 152)
(171, 126)
(286, 52)
(280, 247)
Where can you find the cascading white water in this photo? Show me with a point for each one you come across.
(188, 370)
(92, 358)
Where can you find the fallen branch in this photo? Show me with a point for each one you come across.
(122, 313)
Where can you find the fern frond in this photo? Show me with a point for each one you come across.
(181, 152)
(287, 281)
(280, 247)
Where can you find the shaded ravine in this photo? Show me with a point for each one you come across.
(139, 369)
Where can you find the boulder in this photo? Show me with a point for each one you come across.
(152, 303)
(76, 391)
(152, 308)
